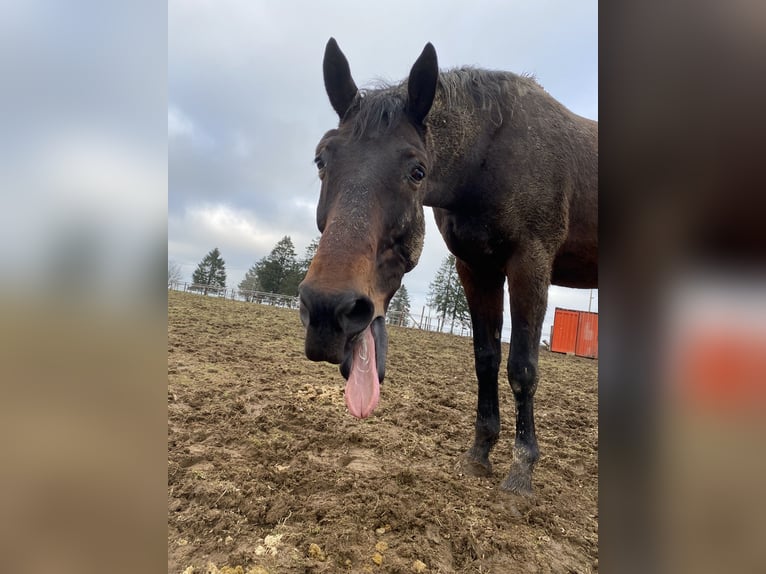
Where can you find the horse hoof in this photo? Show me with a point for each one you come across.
(518, 483)
(470, 465)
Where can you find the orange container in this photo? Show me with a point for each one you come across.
(575, 332)
(587, 335)
(564, 338)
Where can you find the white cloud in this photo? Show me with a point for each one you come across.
(242, 147)
(222, 226)
(179, 125)
(242, 237)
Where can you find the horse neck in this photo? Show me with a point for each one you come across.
(453, 133)
(460, 133)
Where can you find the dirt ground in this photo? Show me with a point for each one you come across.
(268, 473)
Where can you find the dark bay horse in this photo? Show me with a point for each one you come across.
(511, 175)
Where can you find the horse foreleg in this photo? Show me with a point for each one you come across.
(528, 280)
(484, 293)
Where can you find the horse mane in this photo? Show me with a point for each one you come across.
(377, 109)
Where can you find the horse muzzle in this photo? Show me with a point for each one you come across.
(332, 320)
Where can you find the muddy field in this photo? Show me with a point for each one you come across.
(268, 473)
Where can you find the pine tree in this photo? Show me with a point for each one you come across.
(400, 307)
(278, 272)
(447, 296)
(211, 272)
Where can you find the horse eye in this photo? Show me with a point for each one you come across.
(417, 173)
(319, 163)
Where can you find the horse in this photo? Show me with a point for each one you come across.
(511, 176)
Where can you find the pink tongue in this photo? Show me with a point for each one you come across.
(363, 386)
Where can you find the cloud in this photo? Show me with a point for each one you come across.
(242, 237)
(179, 125)
(222, 225)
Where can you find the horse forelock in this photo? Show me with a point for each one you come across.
(376, 111)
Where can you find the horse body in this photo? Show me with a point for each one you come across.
(511, 175)
(531, 175)
(523, 210)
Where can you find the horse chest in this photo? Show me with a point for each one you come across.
(473, 238)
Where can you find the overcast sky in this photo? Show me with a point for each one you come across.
(246, 107)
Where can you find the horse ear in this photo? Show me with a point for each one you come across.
(421, 87)
(338, 83)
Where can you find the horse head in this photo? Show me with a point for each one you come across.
(373, 170)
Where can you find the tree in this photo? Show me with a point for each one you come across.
(400, 307)
(447, 296)
(308, 256)
(250, 283)
(174, 272)
(279, 272)
(211, 272)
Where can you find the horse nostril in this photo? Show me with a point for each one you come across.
(361, 311)
(304, 313)
(355, 314)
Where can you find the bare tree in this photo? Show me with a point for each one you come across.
(174, 272)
